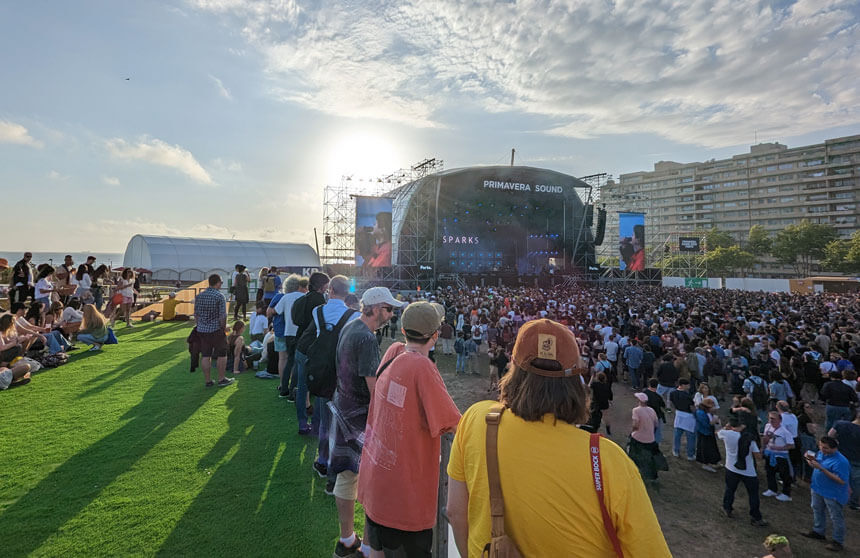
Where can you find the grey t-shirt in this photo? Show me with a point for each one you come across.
(357, 358)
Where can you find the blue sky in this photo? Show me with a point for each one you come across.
(237, 113)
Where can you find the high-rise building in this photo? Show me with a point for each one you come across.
(772, 186)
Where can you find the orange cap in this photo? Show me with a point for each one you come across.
(548, 340)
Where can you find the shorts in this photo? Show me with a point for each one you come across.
(346, 485)
(5, 379)
(213, 344)
(280, 344)
(409, 543)
(127, 299)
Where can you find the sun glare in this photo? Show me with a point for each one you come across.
(362, 155)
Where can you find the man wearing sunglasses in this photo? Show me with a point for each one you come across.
(357, 360)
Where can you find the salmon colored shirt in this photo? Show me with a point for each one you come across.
(410, 410)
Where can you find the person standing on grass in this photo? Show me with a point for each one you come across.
(210, 313)
(830, 475)
(301, 313)
(295, 287)
(685, 420)
(777, 441)
(659, 405)
(357, 361)
(707, 451)
(740, 468)
(848, 434)
(642, 447)
(839, 398)
(409, 412)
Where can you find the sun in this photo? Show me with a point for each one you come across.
(362, 154)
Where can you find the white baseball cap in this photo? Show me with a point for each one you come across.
(380, 295)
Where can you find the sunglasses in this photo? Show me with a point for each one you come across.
(388, 308)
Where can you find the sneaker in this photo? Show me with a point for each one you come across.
(306, 431)
(710, 469)
(783, 498)
(691, 458)
(855, 508)
(354, 551)
(291, 397)
(768, 493)
(727, 513)
(834, 546)
(321, 469)
(209, 383)
(329, 488)
(225, 382)
(759, 523)
(283, 395)
(676, 454)
(812, 535)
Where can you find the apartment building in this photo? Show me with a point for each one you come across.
(772, 185)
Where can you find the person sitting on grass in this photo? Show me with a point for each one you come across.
(236, 350)
(168, 308)
(12, 344)
(18, 374)
(54, 340)
(259, 323)
(70, 318)
(93, 329)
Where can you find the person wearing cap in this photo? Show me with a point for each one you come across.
(643, 447)
(357, 360)
(409, 412)
(545, 463)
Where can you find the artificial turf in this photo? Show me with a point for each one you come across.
(123, 452)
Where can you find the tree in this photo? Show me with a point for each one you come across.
(800, 245)
(722, 260)
(716, 238)
(843, 255)
(758, 242)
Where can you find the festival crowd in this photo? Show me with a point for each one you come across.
(781, 366)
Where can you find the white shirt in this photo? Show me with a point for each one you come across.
(284, 307)
(43, 288)
(611, 350)
(779, 436)
(71, 316)
(84, 284)
(730, 438)
(698, 398)
(258, 323)
(789, 422)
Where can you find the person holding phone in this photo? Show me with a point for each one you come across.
(830, 474)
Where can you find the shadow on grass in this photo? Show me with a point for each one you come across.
(132, 367)
(263, 497)
(69, 488)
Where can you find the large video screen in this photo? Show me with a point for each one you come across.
(373, 231)
(631, 241)
(504, 226)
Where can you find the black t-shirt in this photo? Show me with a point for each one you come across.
(837, 394)
(682, 400)
(667, 374)
(848, 435)
(602, 394)
(656, 402)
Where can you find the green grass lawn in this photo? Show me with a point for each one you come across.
(124, 453)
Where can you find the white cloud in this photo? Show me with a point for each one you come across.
(158, 152)
(223, 91)
(10, 132)
(54, 175)
(111, 180)
(697, 71)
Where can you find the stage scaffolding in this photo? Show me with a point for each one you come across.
(339, 224)
(675, 263)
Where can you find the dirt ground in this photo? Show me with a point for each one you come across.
(689, 499)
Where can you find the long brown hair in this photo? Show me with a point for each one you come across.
(530, 396)
(93, 319)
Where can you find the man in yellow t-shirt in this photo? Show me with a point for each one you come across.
(169, 307)
(550, 504)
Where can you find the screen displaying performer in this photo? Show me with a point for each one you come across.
(373, 231)
(631, 241)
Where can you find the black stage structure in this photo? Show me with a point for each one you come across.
(493, 225)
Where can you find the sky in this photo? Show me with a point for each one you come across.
(227, 118)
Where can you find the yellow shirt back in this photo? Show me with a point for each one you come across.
(551, 506)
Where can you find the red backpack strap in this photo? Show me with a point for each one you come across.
(599, 482)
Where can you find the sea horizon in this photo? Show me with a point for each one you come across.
(112, 259)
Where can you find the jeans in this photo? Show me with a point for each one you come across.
(461, 362)
(321, 424)
(56, 342)
(835, 413)
(820, 504)
(634, 377)
(750, 483)
(289, 378)
(784, 469)
(97, 297)
(691, 442)
(90, 340)
(762, 420)
(854, 481)
(658, 432)
(664, 391)
(301, 389)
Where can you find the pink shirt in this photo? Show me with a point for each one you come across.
(647, 424)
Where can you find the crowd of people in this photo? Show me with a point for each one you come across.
(782, 367)
(50, 309)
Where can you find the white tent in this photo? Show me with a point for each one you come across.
(193, 259)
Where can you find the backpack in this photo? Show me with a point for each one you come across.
(693, 364)
(269, 284)
(459, 346)
(759, 393)
(321, 367)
